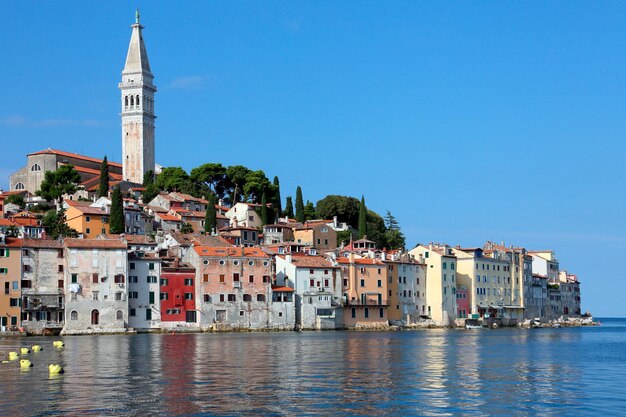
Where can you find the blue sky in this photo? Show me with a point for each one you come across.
(469, 121)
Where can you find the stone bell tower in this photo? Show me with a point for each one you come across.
(137, 109)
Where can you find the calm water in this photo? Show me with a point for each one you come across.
(577, 371)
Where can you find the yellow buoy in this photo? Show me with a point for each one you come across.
(36, 348)
(13, 356)
(25, 363)
(24, 350)
(55, 369)
(58, 343)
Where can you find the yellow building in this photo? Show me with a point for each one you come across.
(364, 291)
(86, 220)
(10, 277)
(440, 281)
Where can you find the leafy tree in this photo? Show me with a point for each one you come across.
(256, 184)
(264, 214)
(212, 176)
(344, 236)
(186, 228)
(176, 179)
(362, 218)
(150, 189)
(236, 177)
(54, 223)
(289, 208)
(393, 235)
(103, 190)
(210, 219)
(309, 211)
(17, 199)
(376, 228)
(345, 208)
(278, 204)
(117, 224)
(57, 183)
(299, 205)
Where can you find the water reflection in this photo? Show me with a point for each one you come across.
(439, 373)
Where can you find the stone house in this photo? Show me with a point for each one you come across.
(95, 286)
(318, 235)
(245, 214)
(277, 233)
(144, 289)
(176, 200)
(43, 286)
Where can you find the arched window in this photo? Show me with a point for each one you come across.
(95, 317)
(126, 101)
(19, 186)
(137, 101)
(35, 168)
(119, 315)
(132, 101)
(74, 315)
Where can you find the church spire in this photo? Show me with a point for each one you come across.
(137, 57)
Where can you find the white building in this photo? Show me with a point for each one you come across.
(144, 277)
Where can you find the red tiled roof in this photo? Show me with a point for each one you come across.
(95, 243)
(92, 211)
(42, 243)
(309, 261)
(281, 289)
(168, 217)
(360, 261)
(7, 223)
(73, 155)
(12, 243)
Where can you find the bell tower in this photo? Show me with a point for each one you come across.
(137, 109)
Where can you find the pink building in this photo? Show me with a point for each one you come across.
(462, 302)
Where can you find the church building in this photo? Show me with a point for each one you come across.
(138, 149)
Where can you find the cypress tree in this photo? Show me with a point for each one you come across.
(103, 191)
(278, 204)
(117, 224)
(210, 219)
(362, 218)
(299, 205)
(289, 208)
(264, 218)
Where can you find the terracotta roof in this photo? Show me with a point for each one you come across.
(205, 240)
(168, 217)
(7, 223)
(360, 261)
(42, 243)
(309, 261)
(282, 289)
(73, 155)
(92, 211)
(12, 243)
(230, 251)
(131, 239)
(95, 243)
(281, 225)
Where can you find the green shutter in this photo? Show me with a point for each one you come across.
(149, 312)
(151, 297)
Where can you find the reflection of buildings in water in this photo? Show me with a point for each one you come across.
(469, 390)
(434, 383)
(178, 373)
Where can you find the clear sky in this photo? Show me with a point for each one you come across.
(469, 121)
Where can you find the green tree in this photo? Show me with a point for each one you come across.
(117, 224)
(256, 184)
(362, 218)
(176, 179)
(393, 235)
(57, 183)
(55, 225)
(376, 228)
(236, 176)
(264, 214)
(150, 189)
(278, 204)
(289, 208)
(186, 228)
(345, 208)
(299, 205)
(103, 190)
(210, 219)
(212, 176)
(309, 211)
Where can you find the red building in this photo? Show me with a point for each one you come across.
(462, 302)
(178, 294)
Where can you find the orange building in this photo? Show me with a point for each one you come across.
(10, 275)
(365, 283)
(89, 221)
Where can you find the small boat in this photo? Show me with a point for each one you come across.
(473, 326)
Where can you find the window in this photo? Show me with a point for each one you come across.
(362, 283)
(205, 278)
(236, 277)
(95, 317)
(247, 297)
(94, 278)
(207, 298)
(73, 296)
(381, 313)
(164, 281)
(133, 295)
(151, 297)
(311, 283)
(232, 297)
(250, 263)
(132, 312)
(88, 231)
(14, 302)
(119, 279)
(16, 285)
(188, 282)
(250, 278)
(60, 283)
(261, 297)
(87, 219)
(163, 296)
(148, 313)
(311, 271)
(379, 271)
(236, 263)
(380, 283)
(132, 265)
(35, 168)
(222, 278)
(188, 296)
(151, 279)
(266, 279)
(95, 295)
(19, 186)
(241, 312)
(326, 283)
(150, 266)
(74, 315)
(222, 297)
(366, 313)
(119, 315)
(353, 312)
(118, 296)
(4, 270)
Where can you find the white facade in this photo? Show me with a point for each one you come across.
(244, 215)
(144, 276)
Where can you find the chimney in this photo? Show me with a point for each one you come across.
(335, 221)
(220, 202)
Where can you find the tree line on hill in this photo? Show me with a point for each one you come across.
(231, 184)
